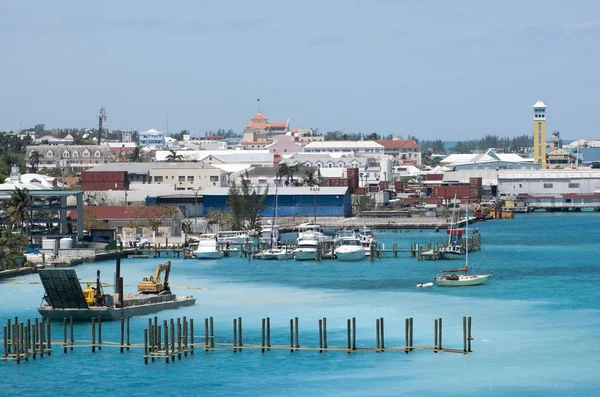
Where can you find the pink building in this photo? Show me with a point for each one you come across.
(284, 144)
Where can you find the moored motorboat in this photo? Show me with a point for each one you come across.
(350, 249)
(208, 247)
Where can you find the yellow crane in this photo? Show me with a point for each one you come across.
(154, 284)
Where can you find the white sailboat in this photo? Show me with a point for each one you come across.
(271, 235)
(454, 249)
(454, 278)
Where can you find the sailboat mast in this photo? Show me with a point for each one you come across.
(467, 239)
(274, 217)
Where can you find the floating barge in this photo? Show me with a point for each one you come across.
(64, 297)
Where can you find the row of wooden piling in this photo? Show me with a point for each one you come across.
(25, 339)
(178, 339)
(174, 338)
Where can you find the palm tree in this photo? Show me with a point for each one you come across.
(34, 160)
(136, 155)
(19, 206)
(310, 179)
(173, 156)
(283, 171)
(291, 170)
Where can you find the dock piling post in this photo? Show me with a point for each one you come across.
(262, 335)
(99, 332)
(353, 333)
(240, 332)
(172, 323)
(49, 339)
(435, 335)
(28, 347)
(158, 340)
(291, 335)
(185, 336)
(71, 331)
(128, 334)
(320, 335)
(145, 345)
(268, 333)
(406, 336)
(16, 341)
(178, 338)
(349, 326)
(122, 334)
(440, 334)
(382, 334)
(93, 334)
(166, 332)
(191, 336)
(297, 342)
(464, 324)
(151, 342)
(235, 335)
(469, 337)
(377, 335)
(206, 334)
(212, 333)
(411, 333)
(65, 335)
(325, 333)
(5, 334)
(36, 342)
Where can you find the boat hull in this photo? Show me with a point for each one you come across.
(306, 255)
(462, 281)
(353, 255)
(276, 255)
(208, 254)
(114, 313)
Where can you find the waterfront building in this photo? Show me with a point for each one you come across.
(488, 160)
(548, 183)
(539, 133)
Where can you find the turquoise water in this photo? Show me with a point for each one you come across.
(535, 325)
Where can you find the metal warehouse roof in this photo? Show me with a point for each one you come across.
(283, 191)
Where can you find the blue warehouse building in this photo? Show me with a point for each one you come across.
(291, 201)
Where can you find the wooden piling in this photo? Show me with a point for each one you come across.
(191, 336)
(166, 334)
(158, 339)
(353, 333)
(235, 335)
(268, 333)
(240, 333)
(49, 334)
(406, 336)
(128, 340)
(440, 334)
(212, 332)
(5, 334)
(291, 335)
(464, 335)
(435, 335)
(321, 335)
(145, 345)
(262, 335)
(172, 330)
(469, 337)
(156, 329)
(206, 334)
(178, 338)
(65, 335)
(122, 334)
(93, 334)
(382, 334)
(349, 326)
(16, 344)
(9, 326)
(377, 334)
(410, 340)
(99, 332)
(325, 333)
(71, 332)
(28, 339)
(36, 336)
(296, 332)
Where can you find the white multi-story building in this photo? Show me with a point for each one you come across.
(548, 183)
(358, 148)
(70, 156)
(152, 139)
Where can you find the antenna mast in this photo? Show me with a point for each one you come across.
(101, 119)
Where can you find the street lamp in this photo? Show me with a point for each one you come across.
(196, 204)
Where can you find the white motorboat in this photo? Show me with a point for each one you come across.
(453, 278)
(208, 247)
(232, 237)
(276, 254)
(306, 250)
(349, 249)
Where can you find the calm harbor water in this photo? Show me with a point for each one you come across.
(536, 325)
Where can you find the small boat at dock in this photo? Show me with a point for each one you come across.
(208, 247)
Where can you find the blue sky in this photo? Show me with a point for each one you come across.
(447, 70)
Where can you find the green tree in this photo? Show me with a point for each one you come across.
(34, 161)
(246, 203)
(173, 156)
(136, 155)
(310, 179)
(19, 207)
(291, 170)
(11, 247)
(283, 172)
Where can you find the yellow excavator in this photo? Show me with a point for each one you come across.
(154, 284)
